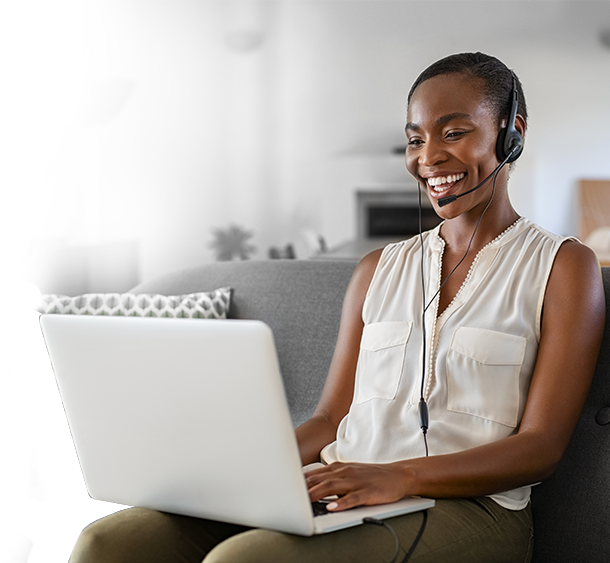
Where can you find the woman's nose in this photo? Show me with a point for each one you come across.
(431, 154)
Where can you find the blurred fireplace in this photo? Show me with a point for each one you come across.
(392, 214)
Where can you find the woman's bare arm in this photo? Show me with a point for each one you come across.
(321, 428)
(572, 327)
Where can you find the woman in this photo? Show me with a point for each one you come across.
(456, 330)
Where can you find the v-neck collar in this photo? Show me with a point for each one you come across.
(477, 270)
(476, 274)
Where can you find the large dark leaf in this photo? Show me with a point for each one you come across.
(102, 101)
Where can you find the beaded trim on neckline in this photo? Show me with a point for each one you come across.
(474, 262)
(437, 233)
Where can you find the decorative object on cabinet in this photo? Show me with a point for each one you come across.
(287, 252)
(232, 244)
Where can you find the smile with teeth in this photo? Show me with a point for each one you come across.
(442, 183)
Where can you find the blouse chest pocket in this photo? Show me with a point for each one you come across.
(483, 368)
(381, 359)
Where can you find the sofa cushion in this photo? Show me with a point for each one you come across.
(572, 509)
(200, 305)
(35, 442)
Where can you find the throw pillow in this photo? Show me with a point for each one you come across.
(35, 442)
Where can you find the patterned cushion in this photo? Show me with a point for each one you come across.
(35, 442)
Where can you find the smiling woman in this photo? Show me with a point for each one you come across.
(447, 381)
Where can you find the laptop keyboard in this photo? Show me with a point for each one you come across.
(319, 507)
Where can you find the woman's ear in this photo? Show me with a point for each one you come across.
(520, 124)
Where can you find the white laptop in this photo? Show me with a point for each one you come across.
(188, 416)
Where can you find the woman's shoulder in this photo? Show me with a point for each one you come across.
(571, 252)
(389, 254)
(364, 272)
(540, 231)
(575, 282)
(576, 259)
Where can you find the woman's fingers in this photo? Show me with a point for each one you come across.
(355, 484)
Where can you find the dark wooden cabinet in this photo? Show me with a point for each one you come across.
(103, 267)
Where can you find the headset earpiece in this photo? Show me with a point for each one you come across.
(509, 137)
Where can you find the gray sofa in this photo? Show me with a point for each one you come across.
(301, 302)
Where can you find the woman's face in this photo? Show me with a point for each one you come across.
(451, 141)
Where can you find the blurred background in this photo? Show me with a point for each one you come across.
(273, 114)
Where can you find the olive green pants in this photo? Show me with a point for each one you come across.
(472, 530)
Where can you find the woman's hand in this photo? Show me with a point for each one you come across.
(357, 484)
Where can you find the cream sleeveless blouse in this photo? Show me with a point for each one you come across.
(480, 351)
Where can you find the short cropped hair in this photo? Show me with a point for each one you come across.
(495, 79)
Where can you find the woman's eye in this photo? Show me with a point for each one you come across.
(454, 134)
(414, 142)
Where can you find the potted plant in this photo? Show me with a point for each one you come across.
(232, 243)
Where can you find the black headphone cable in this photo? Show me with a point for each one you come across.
(396, 540)
(493, 191)
(422, 406)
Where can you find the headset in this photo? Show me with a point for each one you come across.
(510, 142)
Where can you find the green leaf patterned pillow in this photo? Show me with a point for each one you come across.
(36, 446)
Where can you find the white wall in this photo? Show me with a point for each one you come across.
(114, 24)
(253, 128)
(111, 191)
(173, 129)
(184, 130)
(351, 65)
(70, 10)
(66, 18)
